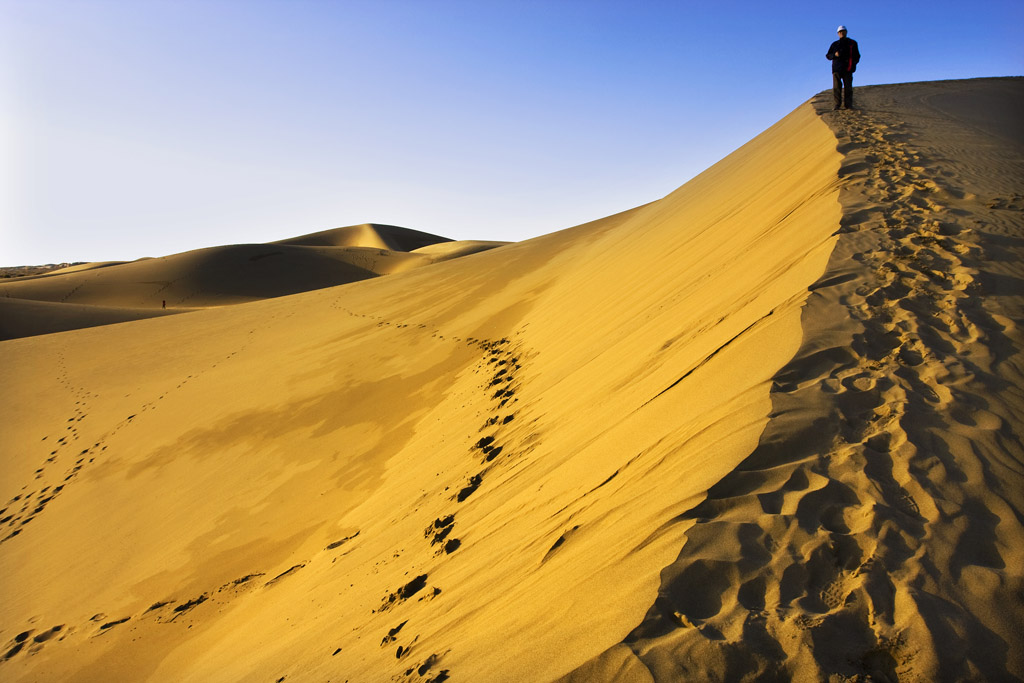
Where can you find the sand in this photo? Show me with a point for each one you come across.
(103, 293)
(764, 428)
(876, 528)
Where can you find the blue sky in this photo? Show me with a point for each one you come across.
(135, 128)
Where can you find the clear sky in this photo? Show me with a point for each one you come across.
(133, 128)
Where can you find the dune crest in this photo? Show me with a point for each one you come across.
(371, 235)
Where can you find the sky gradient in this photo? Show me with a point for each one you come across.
(134, 128)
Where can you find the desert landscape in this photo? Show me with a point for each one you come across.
(767, 427)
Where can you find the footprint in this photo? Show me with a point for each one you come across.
(404, 593)
(470, 488)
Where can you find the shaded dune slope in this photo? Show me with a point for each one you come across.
(876, 529)
(765, 427)
(28, 318)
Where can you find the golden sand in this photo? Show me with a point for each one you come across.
(767, 427)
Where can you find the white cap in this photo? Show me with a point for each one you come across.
(841, 28)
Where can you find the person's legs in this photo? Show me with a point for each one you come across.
(837, 90)
(848, 90)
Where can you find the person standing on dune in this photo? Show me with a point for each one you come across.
(844, 56)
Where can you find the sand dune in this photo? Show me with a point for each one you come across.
(373, 235)
(218, 276)
(61, 270)
(876, 528)
(764, 428)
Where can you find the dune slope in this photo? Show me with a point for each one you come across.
(486, 453)
(876, 528)
(765, 426)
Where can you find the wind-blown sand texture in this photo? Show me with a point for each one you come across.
(765, 428)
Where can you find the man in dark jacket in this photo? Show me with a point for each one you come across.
(844, 56)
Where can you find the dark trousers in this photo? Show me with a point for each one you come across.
(842, 87)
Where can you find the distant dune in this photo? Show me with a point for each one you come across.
(31, 271)
(372, 235)
(217, 276)
(765, 428)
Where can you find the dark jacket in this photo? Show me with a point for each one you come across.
(848, 57)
